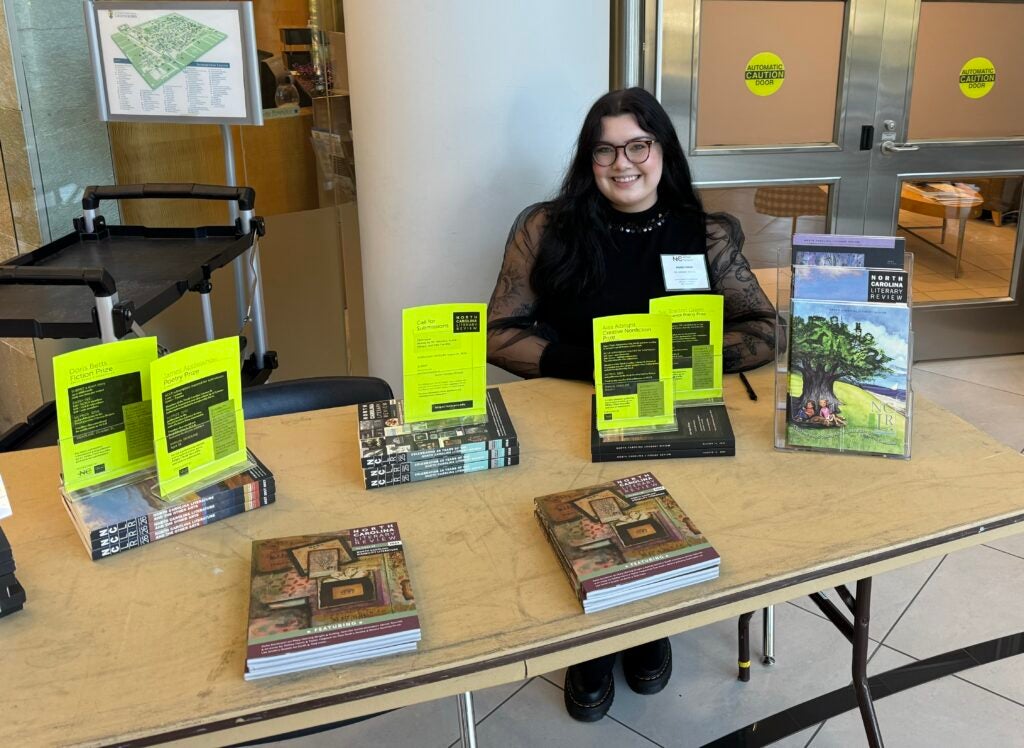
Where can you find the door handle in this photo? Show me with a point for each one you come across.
(888, 146)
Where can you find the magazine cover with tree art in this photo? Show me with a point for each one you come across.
(313, 591)
(848, 380)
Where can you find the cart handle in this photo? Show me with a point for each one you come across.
(99, 281)
(246, 196)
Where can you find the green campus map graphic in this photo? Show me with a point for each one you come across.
(161, 48)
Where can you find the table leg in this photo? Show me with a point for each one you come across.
(467, 720)
(942, 234)
(861, 687)
(960, 242)
(769, 635)
(744, 653)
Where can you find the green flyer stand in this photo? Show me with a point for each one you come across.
(104, 413)
(198, 423)
(444, 361)
(633, 371)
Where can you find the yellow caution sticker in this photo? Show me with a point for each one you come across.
(765, 73)
(977, 77)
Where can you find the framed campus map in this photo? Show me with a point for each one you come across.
(188, 61)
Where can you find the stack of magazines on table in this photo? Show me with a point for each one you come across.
(110, 520)
(394, 451)
(699, 431)
(329, 598)
(12, 594)
(624, 540)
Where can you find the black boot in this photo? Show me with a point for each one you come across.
(590, 689)
(648, 667)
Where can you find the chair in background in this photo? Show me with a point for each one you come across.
(1001, 196)
(300, 395)
(792, 201)
(260, 401)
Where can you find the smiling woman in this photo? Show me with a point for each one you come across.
(628, 174)
(595, 250)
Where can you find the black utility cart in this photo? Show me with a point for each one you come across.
(104, 281)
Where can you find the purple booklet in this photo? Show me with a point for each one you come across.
(839, 250)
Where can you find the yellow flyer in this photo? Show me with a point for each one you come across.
(444, 361)
(633, 371)
(696, 344)
(198, 424)
(104, 417)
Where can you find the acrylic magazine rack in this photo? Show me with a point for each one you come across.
(844, 350)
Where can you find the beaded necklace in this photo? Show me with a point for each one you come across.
(631, 228)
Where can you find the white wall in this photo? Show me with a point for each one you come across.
(464, 112)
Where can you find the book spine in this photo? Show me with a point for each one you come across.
(409, 473)
(664, 454)
(495, 446)
(257, 474)
(155, 525)
(649, 568)
(394, 478)
(443, 462)
(171, 513)
(153, 530)
(661, 446)
(152, 533)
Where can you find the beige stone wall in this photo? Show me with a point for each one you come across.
(19, 232)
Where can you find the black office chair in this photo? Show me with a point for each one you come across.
(260, 401)
(300, 395)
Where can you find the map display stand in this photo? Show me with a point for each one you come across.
(184, 61)
(866, 410)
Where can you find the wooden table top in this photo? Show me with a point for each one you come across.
(150, 644)
(964, 206)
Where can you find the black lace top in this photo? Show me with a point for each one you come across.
(531, 336)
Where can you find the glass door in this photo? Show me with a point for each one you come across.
(948, 170)
(774, 101)
(864, 117)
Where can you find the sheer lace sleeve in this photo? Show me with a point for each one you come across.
(749, 335)
(513, 341)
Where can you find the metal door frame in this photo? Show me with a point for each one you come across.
(876, 76)
(955, 328)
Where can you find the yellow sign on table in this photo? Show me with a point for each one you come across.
(444, 361)
(696, 344)
(198, 423)
(633, 371)
(104, 415)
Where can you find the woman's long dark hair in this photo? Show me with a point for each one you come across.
(569, 255)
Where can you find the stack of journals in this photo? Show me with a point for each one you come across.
(323, 599)
(123, 517)
(393, 451)
(700, 431)
(624, 540)
(12, 594)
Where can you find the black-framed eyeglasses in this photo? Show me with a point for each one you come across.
(637, 151)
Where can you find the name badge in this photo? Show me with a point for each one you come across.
(685, 273)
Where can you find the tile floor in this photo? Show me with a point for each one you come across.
(919, 611)
(987, 259)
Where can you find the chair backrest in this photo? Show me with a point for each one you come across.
(277, 398)
(299, 395)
